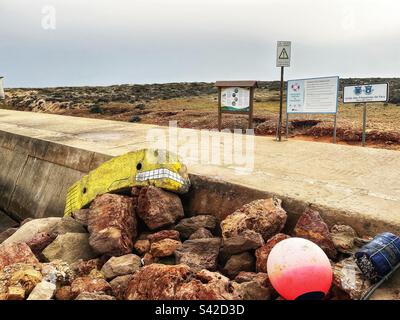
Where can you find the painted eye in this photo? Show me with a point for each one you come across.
(156, 153)
(84, 190)
(139, 166)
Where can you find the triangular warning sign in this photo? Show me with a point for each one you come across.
(283, 54)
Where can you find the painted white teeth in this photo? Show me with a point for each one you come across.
(159, 174)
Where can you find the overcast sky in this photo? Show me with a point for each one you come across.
(102, 42)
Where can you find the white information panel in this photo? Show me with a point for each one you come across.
(235, 99)
(366, 93)
(317, 95)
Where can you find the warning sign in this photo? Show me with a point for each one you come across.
(283, 54)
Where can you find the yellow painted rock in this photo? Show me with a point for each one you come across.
(145, 167)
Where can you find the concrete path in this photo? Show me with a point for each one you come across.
(356, 181)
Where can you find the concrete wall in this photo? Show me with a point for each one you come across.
(35, 174)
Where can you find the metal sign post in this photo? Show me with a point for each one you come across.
(364, 134)
(363, 94)
(283, 56)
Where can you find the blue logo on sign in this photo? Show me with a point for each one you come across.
(357, 90)
(368, 90)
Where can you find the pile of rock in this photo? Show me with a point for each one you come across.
(144, 247)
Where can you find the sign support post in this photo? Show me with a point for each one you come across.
(334, 128)
(281, 106)
(364, 132)
(283, 56)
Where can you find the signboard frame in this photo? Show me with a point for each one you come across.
(373, 84)
(316, 78)
(334, 114)
(247, 84)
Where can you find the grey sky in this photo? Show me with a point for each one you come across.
(101, 42)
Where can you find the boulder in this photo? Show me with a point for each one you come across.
(118, 266)
(7, 233)
(206, 285)
(190, 225)
(26, 278)
(83, 268)
(164, 247)
(70, 247)
(199, 254)
(142, 246)
(112, 224)
(69, 225)
(15, 293)
(311, 226)
(343, 237)
(64, 293)
(263, 252)
(43, 291)
(88, 284)
(201, 233)
(94, 296)
(239, 262)
(16, 252)
(349, 278)
(163, 234)
(39, 242)
(157, 282)
(82, 216)
(247, 240)
(264, 216)
(253, 286)
(158, 208)
(148, 259)
(30, 228)
(57, 272)
(161, 282)
(119, 286)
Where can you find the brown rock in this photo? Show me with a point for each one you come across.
(199, 254)
(87, 284)
(349, 278)
(93, 296)
(148, 259)
(82, 216)
(83, 268)
(239, 262)
(161, 282)
(16, 252)
(39, 242)
(206, 285)
(254, 286)
(6, 234)
(64, 293)
(118, 266)
(26, 278)
(201, 233)
(164, 247)
(142, 246)
(247, 240)
(190, 225)
(163, 234)
(263, 252)
(69, 225)
(264, 216)
(112, 224)
(343, 237)
(70, 247)
(15, 293)
(159, 208)
(157, 282)
(119, 286)
(311, 226)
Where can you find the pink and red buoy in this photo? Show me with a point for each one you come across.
(299, 269)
